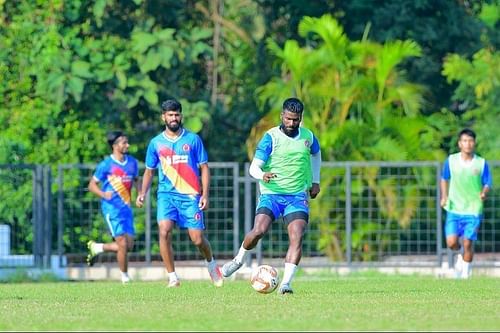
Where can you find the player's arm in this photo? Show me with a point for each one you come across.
(205, 185)
(486, 181)
(94, 188)
(256, 172)
(147, 178)
(444, 183)
(262, 153)
(315, 167)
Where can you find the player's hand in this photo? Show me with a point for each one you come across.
(443, 201)
(314, 190)
(139, 202)
(203, 203)
(268, 176)
(107, 195)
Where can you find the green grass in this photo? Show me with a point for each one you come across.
(322, 302)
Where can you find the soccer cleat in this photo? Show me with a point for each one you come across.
(216, 275)
(285, 289)
(125, 280)
(230, 267)
(92, 255)
(174, 283)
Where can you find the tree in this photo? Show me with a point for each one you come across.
(361, 108)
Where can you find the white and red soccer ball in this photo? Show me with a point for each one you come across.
(264, 279)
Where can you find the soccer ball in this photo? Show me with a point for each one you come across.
(264, 279)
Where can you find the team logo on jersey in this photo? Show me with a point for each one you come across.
(197, 216)
(307, 143)
(186, 147)
(475, 172)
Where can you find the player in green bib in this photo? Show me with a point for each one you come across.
(287, 163)
(465, 182)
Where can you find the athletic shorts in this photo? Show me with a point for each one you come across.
(181, 209)
(119, 222)
(466, 226)
(290, 206)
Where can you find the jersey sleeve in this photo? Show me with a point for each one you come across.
(152, 158)
(486, 176)
(201, 152)
(315, 145)
(264, 148)
(100, 172)
(445, 172)
(136, 168)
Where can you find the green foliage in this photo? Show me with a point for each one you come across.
(478, 95)
(355, 98)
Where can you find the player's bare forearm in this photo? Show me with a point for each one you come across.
(205, 186)
(146, 183)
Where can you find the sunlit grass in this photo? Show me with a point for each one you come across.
(360, 302)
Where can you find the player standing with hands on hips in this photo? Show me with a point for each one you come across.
(287, 162)
(180, 157)
(465, 182)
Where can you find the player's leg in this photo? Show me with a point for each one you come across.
(296, 217)
(296, 230)
(267, 210)
(165, 229)
(471, 227)
(203, 245)
(191, 218)
(453, 231)
(262, 222)
(166, 216)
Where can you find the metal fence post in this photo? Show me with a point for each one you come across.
(439, 231)
(47, 209)
(348, 207)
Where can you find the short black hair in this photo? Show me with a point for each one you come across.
(113, 136)
(468, 132)
(171, 105)
(293, 105)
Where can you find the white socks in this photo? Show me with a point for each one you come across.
(98, 248)
(211, 264)
(241, 254)
(290, 270)
(466, 270)
(172, 276)
(125, 277)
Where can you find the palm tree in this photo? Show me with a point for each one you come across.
(360, 106)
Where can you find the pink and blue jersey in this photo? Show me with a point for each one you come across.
(117, 177)
(178, 161)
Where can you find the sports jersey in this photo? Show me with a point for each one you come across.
(178, 161)
(116, 177)
(466, 180)
(289, 158)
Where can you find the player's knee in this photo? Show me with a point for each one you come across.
(164, 232)
(197, 240)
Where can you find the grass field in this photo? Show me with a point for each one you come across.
(320, 303)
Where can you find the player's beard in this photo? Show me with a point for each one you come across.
(289, 131)
(174, 127)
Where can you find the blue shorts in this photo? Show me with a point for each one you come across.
(181, 209)
(290, 206)
(119, 222)
(462, 225)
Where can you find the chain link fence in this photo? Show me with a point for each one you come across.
(368, 213)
